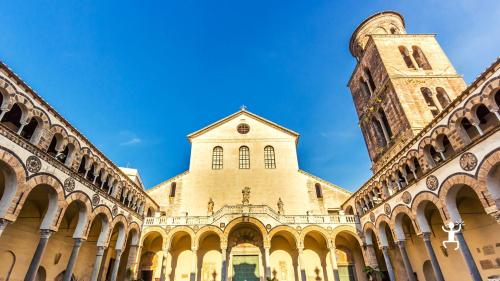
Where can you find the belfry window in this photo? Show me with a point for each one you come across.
(173, 187)
(442, 97)
(244, 157)
(427, 94)
(217, 158)
(406, 57)
(420, 58)
(365, 89)
(269, 157)
(319, 190)
(370, 79)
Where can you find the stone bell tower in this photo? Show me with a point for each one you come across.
(400, 83)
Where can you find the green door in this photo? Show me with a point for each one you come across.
(246, 268)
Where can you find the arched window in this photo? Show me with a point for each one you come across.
(81, 168)
(427, 94)
(12, 119)
(420, 58)
(90, 174)
(442, 97)
(470, 130)
(269, 157)
(244, 157)
(29, 129)
(365, 89)
(406, 57)
(379, 134)
(393, 30)
(385, 122)
(173, 187)
(370, 79)
(319, 190)
(487, 119)
(217, 158)
(52, 150)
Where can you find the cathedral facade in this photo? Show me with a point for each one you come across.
(244, 210)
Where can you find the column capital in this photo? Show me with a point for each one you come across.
(45, 233)
(4, 223)
(79, 241)
(426, 236)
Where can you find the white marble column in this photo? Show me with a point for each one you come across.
(37, 257)
(97, 264)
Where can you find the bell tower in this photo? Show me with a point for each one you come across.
(400, 84)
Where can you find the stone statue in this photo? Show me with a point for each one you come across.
(210, 206)
(281, 211)
(246, 195)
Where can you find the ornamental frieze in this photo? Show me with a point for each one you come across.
(406, 197)
(114, 211)
(96, 199)
(372, 217)
(33, 164)
(432, 182)
(387, 209)
(69, 185)
(468, 161)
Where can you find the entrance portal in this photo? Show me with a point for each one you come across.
(246, 268)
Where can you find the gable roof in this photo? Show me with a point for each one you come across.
(235, 115)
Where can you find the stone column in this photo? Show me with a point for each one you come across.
(37, 257)
(388, 264)
(3, 225)
(164, 263)
(333, 260)
(116, 265)
(432, 255)
(133, 259)
(406, 260)
(72, 259)
(223, 271)
(267, 263)
(301, 264)
(194, 265)
(464, 248)
(21, 127)
(97, 264)
(479, 130)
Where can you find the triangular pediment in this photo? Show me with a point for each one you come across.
(243, 115)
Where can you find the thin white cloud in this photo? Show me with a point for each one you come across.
(129, 138)
(132, 141)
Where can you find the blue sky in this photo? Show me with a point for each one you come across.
(136, 78)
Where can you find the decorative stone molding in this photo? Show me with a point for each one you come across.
(96, 199)
(432, 182)
(468, 161)
(372, 217)
(387, 209)
(69, 185)
(33, 164)
(406, 197)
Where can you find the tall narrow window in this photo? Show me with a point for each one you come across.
(173, 187)
(319, 190)
(442, 97)
(244, 157)
(217, 158)
(367, 93)
(406, 57)
(385, 122)
(427, 94)
(370, 79)
(420, 58)
(269, 159)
